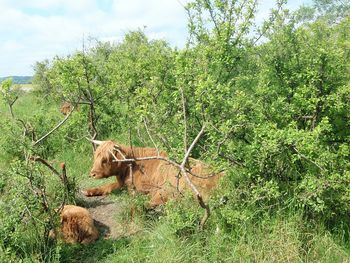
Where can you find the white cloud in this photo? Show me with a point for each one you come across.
(10, 46)
(72, 5)
(34, 30)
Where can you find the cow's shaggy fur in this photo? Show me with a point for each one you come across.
(157, 178)
(77, 226)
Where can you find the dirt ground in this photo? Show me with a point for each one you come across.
(107, 214)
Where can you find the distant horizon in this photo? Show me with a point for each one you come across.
(18, 79)
(32, 31)
(10, 76)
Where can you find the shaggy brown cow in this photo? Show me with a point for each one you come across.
(77, 226)
(158, 178)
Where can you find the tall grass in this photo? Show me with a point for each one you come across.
(274, 240)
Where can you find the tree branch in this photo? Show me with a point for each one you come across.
(46, 163)
(306, 158)
(185, 118)
(55, 128)
(149, 135)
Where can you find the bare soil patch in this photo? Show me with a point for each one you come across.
(107, 214)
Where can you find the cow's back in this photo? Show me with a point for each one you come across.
(206, 177)
(202, 176)
(160, 177)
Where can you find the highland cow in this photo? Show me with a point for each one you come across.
(157, 177)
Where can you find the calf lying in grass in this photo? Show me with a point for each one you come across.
(77, 226)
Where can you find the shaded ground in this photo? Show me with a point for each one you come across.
(107, 213)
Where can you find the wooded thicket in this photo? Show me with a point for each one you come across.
(274, 99)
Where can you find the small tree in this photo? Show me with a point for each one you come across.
(41, 79)
(9, 93)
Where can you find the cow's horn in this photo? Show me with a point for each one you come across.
(97, 142)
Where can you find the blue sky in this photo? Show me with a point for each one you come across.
(33, 30)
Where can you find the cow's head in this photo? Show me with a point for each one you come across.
(105, 160)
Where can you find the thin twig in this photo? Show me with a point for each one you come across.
(41, 160)
(25, 131)
(120, 152)
(189, 182)
(115, 157)
(185, 118)
(149, 135)
(306, 158)
(55, 128)
(65, 182)
(192, 145)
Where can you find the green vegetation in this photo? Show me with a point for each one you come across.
(275, 106)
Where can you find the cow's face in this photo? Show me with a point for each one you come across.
(102, 168)
(105, 164)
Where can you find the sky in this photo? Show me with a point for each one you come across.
(34, 30)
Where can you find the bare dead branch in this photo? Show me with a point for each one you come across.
(84, 102)
(185, 118)
(192, 145)
(120, 152)
(140, 136)
(116, 159)
(307, 158)
(149, 135)
(44, 200)
(130, 137)
(202, 177)
(25, 128)
(46, 163)
(132, 180)
(230, 159)
(13, 102)
(194, 189)
(64, 178)
(55, 128)
(65, 182)
(189, 182)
